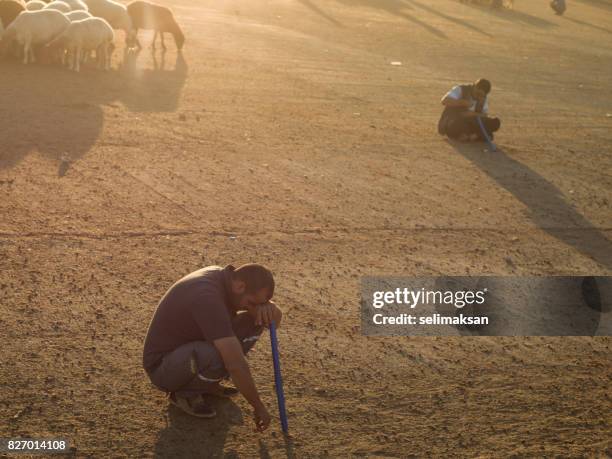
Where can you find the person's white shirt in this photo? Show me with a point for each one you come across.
(455, 93)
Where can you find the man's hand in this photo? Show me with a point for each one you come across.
(261, 417)
(266, 313)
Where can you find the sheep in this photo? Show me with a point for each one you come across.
(35, 5)
(115, 14)
(58, 5)
(9, 10)
(32, 28)
(146, 15)
(87, 35)
(77, 15)
(76, 5)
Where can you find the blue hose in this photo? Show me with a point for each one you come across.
(278, 379)
(486, 135)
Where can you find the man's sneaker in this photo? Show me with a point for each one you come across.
(193, 406)
(221, 391)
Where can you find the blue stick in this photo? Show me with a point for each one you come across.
(486, 135)
(278, 379)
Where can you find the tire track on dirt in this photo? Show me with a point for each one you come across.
(326, 232)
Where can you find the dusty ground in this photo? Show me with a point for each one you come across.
(285, 125)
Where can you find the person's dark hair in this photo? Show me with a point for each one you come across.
(483, 85)
(255, 277)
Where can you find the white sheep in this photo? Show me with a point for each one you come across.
(58, 5)
(115, 14)
(35, 5)
(77, 15)
(33, 28)
(76, 5)
(87, 35)
(147, 15)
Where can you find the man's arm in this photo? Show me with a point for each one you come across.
(238, 368)
(461, 103)
(454, 98)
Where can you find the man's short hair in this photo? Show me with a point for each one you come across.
(256, 277)
(484, 85)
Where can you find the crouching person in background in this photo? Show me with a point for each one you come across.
(558, 6)
(463, 105)
(202, 329)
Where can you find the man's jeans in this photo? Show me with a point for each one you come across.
(175, 373)
(468, 125)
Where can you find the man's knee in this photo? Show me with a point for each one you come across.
(455, 129)
(493, 124)
(246, 331)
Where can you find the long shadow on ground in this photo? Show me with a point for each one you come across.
(60, 113)
(547, 206)
(587, 24)
(603, 4)
(397, 8)
(459, 21)
(312, 6)
(186, 436)
(516, 16)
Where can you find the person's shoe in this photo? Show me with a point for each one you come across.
(221, 391)
(193, 406)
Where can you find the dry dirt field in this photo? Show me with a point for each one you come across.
(284, 135)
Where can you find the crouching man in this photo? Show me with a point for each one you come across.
(202, 329)
(558, 6)
(463, 105)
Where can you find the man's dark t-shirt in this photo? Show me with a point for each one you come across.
(196, 308)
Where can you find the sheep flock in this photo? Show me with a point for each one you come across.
(70, 32)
